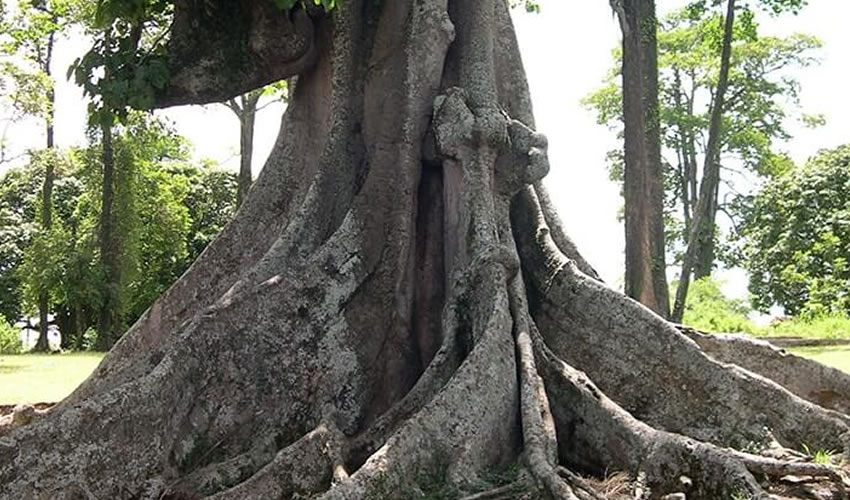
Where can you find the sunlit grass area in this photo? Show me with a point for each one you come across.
(43, 378)
(835, 356)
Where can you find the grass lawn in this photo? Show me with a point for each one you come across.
(835, 356)
(43, 378)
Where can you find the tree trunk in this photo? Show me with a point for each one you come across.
(246, 112)
(46, 203)
(390, 309)
(109, 318)
(706, 242)
(683, 153)
(702, 232)
(646, 279)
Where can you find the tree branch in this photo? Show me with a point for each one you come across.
(257, 43)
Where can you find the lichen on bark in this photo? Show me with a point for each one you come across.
(397, 297)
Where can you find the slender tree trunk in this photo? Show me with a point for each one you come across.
(109, 318)
(706, 249)
(47, 202)
(390, 309)
(79, 326)
(683, 152)
(247, 115)
(711, 171)
(646, 279)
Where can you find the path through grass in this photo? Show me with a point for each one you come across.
(43, 378)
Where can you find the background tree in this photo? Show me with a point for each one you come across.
(762, 89)
(797, 238)
(702, 228)
(643, 176)
(19, 194)
(119, 29)
(30, 35)
(170, 209)
(165, 211)
(246, 107)
(390, 302)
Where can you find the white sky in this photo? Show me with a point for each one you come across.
(567, 52)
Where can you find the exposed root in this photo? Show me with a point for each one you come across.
(538, 426)
(584, 490)
(304, 467)
(596, 434)
(654, 371)
(822, 385)
(215, 477)
(777, 468)
(508, 491)
(20, 415)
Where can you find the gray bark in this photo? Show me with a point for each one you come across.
(389, 306)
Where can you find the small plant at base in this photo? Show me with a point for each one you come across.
(741, 495)
(820, 456)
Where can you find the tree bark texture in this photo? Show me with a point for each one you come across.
(706, 248)
(699, 254)
(390, 305)
(643, 190)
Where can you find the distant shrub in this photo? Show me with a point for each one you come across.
(88, 340)
(709, 310)
(825, 326)
(10, 338)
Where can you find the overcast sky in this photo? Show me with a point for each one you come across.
(567, 52)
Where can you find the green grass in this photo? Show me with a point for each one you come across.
(834, 356)
(43, 378)
(823, 327)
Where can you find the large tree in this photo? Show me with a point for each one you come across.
(754, 116)
(396, 301)
(796, 238)
(643, 175)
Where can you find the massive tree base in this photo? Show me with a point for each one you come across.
(395, 312)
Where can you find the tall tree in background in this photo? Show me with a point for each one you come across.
(246, 107)
(762, 89)
(699, 255)
(702, 227)
(167, 209)
(30, 34)
(143, 26)
(389, 304)
(109, 319)
(796, 238)
(643, 188)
